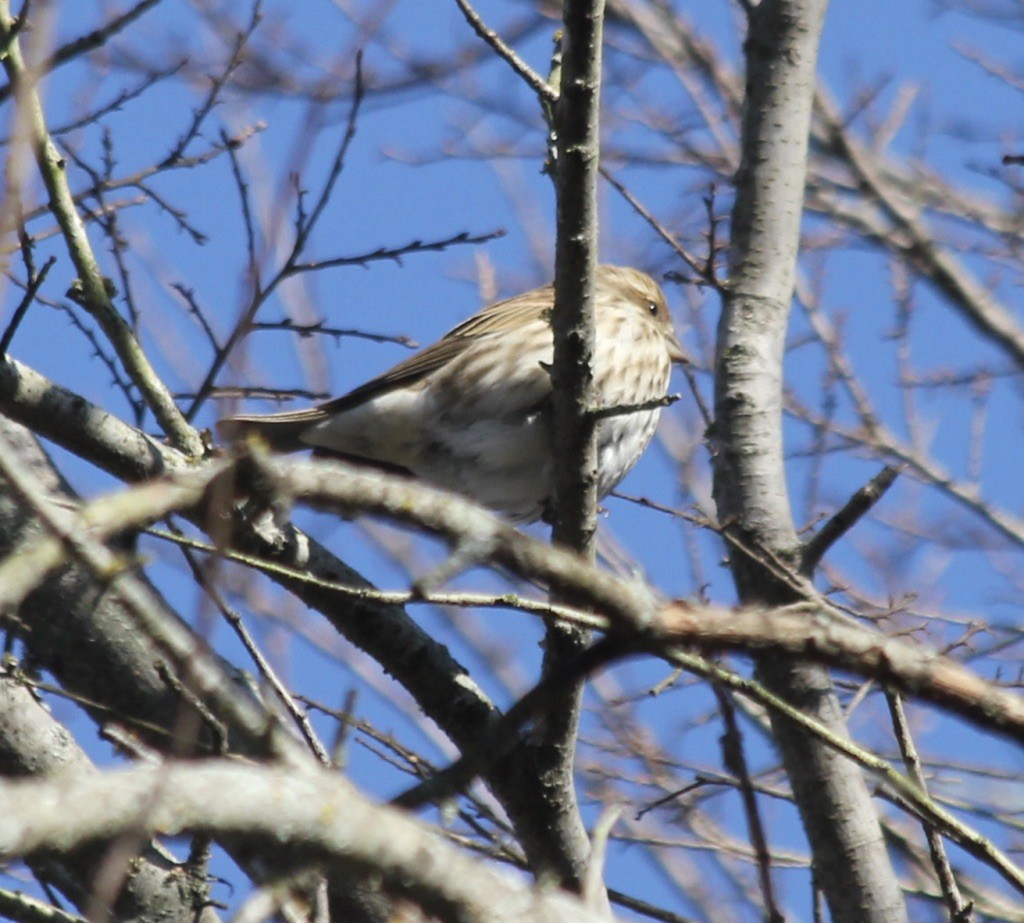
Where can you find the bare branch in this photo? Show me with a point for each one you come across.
(850, 860)
(95, 297)
(960, 911)
(306, 815)
(532, 79)
(846, 518)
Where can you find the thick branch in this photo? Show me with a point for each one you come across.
(576, 257)
(33, 743)
(441, 686)
(850, 859)
(299, 816)
(577, 136)
(807, 632)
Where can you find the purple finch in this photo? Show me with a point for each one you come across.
(472, 412)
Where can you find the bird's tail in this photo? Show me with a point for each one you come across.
(281, 431)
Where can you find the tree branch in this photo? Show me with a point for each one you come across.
(94, 295)
(573, 397)
(441, 686)
(302, 816)
(850, 859)
(33, 743)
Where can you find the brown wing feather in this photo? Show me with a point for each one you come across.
(504, 315)
(284, 430)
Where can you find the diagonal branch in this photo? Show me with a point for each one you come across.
(441, 686)
(507, 53)
(95, 297)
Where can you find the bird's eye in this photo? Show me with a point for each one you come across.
(652, 306)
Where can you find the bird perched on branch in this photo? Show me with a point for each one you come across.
(472, 412)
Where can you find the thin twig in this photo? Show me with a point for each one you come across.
(320, 328)
(216, 85)
(603, 413)
(35, 282)
(852, 511)
(959, 909)
(394, 254)
(17, 906)
(232, 617)
(534, 80)
(696, 266)
(736, 762)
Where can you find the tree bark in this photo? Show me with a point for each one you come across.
(850, 861)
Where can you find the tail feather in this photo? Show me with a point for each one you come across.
(281, 431)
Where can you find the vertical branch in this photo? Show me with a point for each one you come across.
(577, 124)
(574, 513)
(850, 860)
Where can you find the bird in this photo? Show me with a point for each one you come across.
(472, 412)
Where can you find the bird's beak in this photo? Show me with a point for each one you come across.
(675, 350)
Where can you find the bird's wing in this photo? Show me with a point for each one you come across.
(284, 429)
(505, 315)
